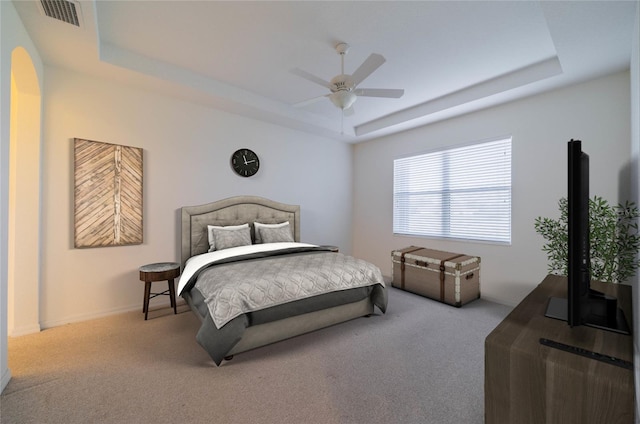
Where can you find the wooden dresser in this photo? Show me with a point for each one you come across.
(529, 382)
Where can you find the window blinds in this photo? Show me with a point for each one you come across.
(464, 193)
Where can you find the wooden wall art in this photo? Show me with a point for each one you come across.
(107, 194)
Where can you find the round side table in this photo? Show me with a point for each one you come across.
(159, 272)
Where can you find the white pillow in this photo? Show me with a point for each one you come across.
(212, 239)
(258, 225)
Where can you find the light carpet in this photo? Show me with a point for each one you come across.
(422, 362)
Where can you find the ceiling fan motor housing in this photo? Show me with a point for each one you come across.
(342, 94)
(341, 83)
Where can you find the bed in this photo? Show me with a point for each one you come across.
(255, 284)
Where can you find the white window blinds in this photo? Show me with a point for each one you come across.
(464, 193)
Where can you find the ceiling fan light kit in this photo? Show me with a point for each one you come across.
(343, 99)
(343, 87)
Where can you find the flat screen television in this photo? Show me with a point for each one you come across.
(583, 306)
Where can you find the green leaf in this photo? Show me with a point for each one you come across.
(614, 239)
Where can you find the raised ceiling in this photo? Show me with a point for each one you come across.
(450, 57)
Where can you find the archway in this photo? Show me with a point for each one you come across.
(24, 197)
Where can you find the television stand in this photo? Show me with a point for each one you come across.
(540, 370)
(605, 313)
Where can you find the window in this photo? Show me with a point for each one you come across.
(462, 193)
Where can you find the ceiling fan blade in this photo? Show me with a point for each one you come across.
(309, 101)
(379, 92)
(310, 77)
(373, 62)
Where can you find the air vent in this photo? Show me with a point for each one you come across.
(62, 10)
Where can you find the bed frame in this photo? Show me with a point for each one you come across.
(248, 209)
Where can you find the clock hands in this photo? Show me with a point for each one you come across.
(246, 162)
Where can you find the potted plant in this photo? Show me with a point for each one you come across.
(614, 240)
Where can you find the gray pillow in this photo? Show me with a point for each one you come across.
(227, 238)
(211, 237)
(275, 235)
(259, 225)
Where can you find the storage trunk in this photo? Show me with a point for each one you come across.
(451, 278)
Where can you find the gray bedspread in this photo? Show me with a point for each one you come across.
(234, 289)
(253, 289)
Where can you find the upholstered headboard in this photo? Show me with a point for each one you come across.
(232, 211)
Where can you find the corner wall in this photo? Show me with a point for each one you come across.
(12, 35)
(635, 187)
(597, 112)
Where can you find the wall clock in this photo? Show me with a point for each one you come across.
(245, 162)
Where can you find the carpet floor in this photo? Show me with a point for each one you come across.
(422, 362)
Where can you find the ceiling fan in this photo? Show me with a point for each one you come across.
(344, 88)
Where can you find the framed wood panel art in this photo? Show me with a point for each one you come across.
(107, 194)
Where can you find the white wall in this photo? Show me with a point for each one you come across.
(597, 112)
(187, 151)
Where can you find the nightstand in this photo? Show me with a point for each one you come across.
(159, 272)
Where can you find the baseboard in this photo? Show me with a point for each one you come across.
(24, 330)
(96, 315)
(6, 377)
(87, 317)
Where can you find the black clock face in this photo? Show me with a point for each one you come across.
(245, 162)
